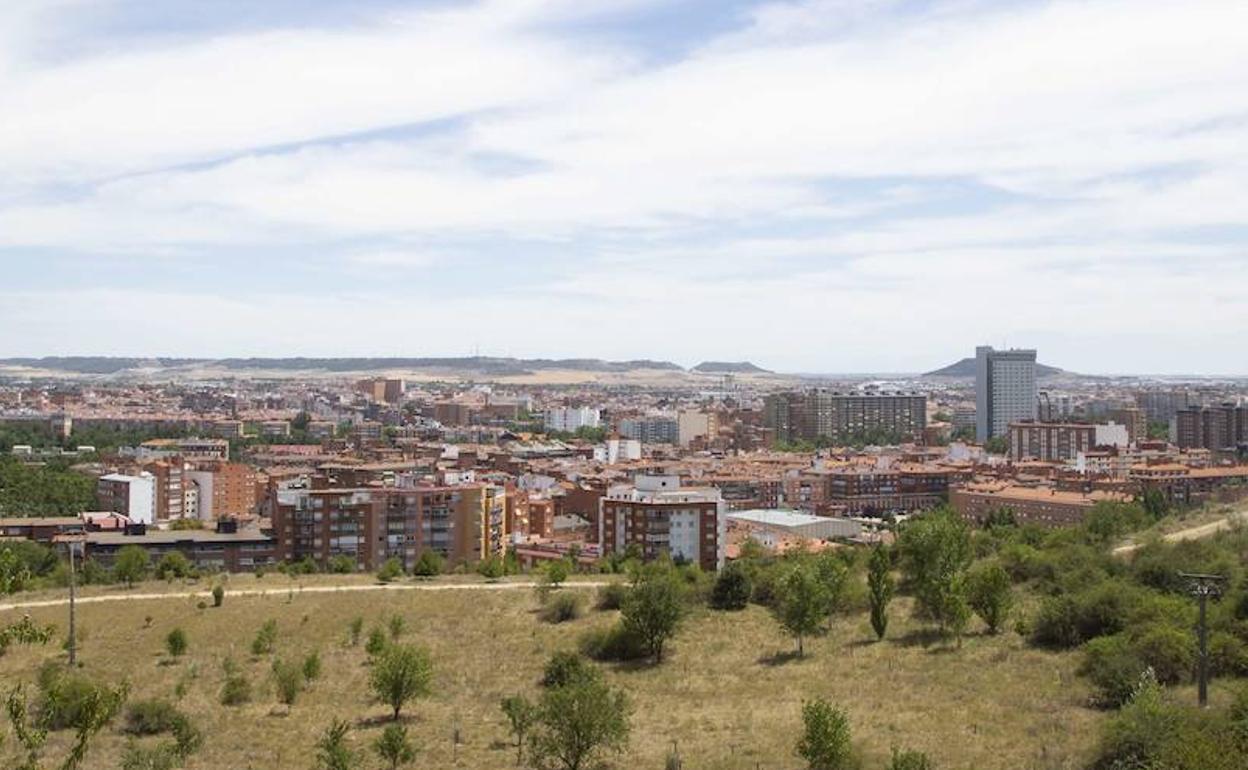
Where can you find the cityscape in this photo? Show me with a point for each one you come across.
(681, 384)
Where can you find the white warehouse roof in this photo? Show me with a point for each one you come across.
(800, 524)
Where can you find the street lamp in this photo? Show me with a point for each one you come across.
(1203, 587)
(74, 544)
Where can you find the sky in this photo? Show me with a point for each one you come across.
(815, 185)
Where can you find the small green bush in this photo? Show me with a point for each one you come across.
(312, 666)
(265, 638)
(564, 668)
(615, 643)
(150, 717)
(563, 607)
(175, 643)
(611, 596)
(218, 595)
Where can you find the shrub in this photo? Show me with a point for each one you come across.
(288, 680)
(391, 570)
(1113, 668)
(491, 568)
(174, 565)
(564, 668)
(236, 690)
(563, 607)
(67, 699)
(1169, 651)
(825, 742)
(342, 564)
(1227, 655)
(312, 666)
(377, 642)
(614, 643)
(429, 564)
(265, 638)
(149, 717)
(611, 596)
(732, 588)
(355, 629)
(397, 626)
(175, 642)
(1071, 619)
(218, 595)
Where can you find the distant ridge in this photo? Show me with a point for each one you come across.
(966, 368)
(481, 364)
(729, 367)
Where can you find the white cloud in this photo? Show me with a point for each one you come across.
(977, 169)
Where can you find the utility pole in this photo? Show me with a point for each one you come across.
(1202, 587)
(72, 544)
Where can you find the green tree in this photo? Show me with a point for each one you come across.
(521, 714)
(653, 610)
(402, 673)
(936, 550)
(577, 724)
(175, 643)
(825, 742)
(174, 565)
(802, 605)
(879, 588)
(733, 587)
(988, 592)
(332, 751)
(394, 747)
(131, 565)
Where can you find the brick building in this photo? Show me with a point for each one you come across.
(658, 517)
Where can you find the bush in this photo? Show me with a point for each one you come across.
(236, 690)
(342, 564)
(910, 760)
(563, 607)
(613, 644)
(175, 642)
(265, 638)
(1113, 668)
(174, 565)
(732, 588)
(377, 642)
(565, 668)
(287, 680)
(312, 666)
(391, 570)
(611, 596)
(218, 595)
(1227, 655)
(1069, 620)
(69, 699)
(492, 568)
(1169, 651)
(150, 717)
(429, 564)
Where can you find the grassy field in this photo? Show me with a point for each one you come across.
(729, 695)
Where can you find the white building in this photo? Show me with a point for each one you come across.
(568, 419)
(134, 496)
(767, 525)
(1112, 434)
(617, 450)
(1005, 390)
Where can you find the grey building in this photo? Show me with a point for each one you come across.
(1005, 390)
(846, 417)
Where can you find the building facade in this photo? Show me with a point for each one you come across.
(845, 417)
(1005, 390)
(659, 517)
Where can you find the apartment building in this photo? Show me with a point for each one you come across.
(1221, 428)
(660, 517)
(868, 490)
(227, 548)
(132, 496)
(570, 419)
(222, 489)
(1162, 405)
(845, 417)
(463, 523)
(1050, 441)
(651, 429)
(1044, 506)
(696, 425)
(169, 476)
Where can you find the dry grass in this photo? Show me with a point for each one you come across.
(728, 695)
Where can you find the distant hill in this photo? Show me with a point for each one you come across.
(729, 367)
(479, 364)
(966, 368)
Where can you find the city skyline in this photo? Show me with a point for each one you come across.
(820, 186)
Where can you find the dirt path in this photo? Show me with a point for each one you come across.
(1193, 533)
(293, 589)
